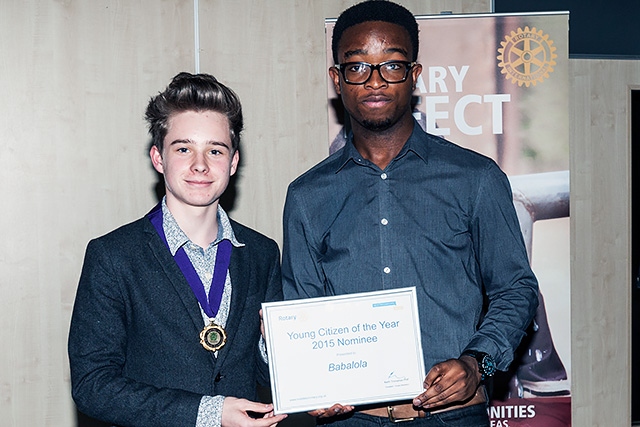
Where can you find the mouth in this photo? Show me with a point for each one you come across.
(199, 183)
(376, 101)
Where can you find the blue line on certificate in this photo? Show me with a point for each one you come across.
(384, 304)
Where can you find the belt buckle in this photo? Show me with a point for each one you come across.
(393, 419)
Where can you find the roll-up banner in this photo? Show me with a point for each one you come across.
(498, 84)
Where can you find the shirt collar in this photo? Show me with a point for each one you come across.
(416, 143)
(176, 238)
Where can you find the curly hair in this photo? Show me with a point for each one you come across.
(375, 10)
(193, 92)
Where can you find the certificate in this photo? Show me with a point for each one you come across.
(349, 349)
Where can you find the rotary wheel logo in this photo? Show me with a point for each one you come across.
(527, 56)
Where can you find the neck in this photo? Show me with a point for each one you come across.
(381, 147)
(199, 223)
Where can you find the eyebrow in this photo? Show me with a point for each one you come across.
(189, 141)
(354, 52)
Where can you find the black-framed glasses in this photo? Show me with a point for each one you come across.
(358, 73)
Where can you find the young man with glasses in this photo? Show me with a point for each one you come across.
(397, 207)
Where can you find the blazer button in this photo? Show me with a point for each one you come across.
(218, 378)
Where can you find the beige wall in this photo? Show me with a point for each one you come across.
(76, 76)
(601, 234)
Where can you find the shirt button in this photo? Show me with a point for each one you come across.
(387, 270)
(384, 221)
(383, 176)
(208, 276)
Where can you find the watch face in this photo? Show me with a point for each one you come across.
(488, 366)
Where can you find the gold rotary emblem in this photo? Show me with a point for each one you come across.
(527, 56)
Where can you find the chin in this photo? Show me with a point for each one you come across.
(377, 125)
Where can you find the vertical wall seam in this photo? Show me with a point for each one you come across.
(196, 36)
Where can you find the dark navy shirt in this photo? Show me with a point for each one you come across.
(439, 217)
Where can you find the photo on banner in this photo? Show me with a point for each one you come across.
(498, 84)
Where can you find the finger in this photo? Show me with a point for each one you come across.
(261, 324)
(434, 375)
(338, 409)
(440, 389)
(268, 422)
(278, 420)
(444, 399)
(430, 384)
(434, 394)
(451, 390)
(323, 413)
(334, 410)
(260, 408)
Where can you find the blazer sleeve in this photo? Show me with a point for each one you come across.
(97, 352)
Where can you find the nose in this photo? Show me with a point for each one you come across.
(375, 79)
(200, 163)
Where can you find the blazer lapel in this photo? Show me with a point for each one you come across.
(175, 276)
(240, 284)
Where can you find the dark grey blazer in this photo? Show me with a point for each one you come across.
(134, 348)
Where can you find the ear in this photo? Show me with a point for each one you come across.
(156, 159)
(415, 73)
(334, 75)
(234, 162)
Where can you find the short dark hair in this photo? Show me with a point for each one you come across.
(375, 10)
(193, 92)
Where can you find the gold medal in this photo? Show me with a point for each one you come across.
(213, 337)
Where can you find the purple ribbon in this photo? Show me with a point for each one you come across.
(209, 303)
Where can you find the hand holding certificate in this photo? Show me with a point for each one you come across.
(347, 349)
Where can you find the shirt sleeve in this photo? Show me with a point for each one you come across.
(510, 285)
(262, 345)
(301, 273)
(210, 411)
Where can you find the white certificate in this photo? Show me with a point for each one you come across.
(348, 349)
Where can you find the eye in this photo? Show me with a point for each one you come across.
(394, 66)
(357, 68)
(215, 152)
(182, 150)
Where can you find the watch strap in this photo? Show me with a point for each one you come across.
(486, 364)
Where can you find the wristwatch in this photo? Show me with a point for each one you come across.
(486, 364)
